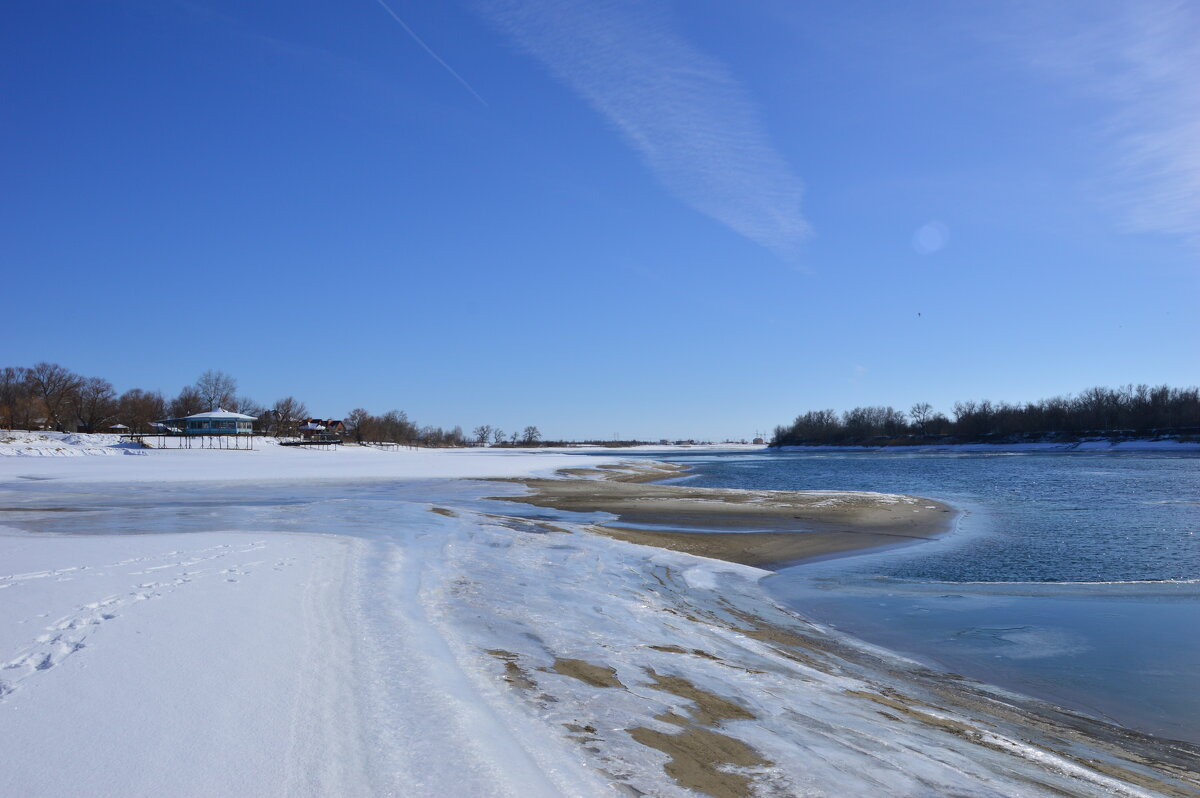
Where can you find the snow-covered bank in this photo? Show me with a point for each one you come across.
(74, 458)
(19, 443)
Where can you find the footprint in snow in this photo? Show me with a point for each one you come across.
(62, 639)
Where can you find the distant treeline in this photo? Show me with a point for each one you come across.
(47, 396)
(1126, 412)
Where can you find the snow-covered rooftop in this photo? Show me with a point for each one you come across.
(219, 413)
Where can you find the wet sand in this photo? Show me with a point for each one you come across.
(766, 529)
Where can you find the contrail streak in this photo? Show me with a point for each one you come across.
(692, 124)
(432, 54)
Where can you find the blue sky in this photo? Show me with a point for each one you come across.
(652, 219)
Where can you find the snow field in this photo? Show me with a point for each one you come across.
(174, 664)
(18, 443)
(63, 457)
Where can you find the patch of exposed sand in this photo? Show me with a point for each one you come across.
(586, 672)
(759, 528)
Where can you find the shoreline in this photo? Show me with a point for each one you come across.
(778, 528)
(1120, 759)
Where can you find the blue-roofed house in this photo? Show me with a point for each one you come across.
(214, 422)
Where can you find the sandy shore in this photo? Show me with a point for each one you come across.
(766, 529)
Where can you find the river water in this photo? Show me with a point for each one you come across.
(1072, 577)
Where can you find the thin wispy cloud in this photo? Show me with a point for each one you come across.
(688, 119)
(1143, 58)
(429, 50)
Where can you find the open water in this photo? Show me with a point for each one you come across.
(1072, 577)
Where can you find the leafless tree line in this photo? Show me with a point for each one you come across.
(395, 427)
(486, 434)
(1128, 411)
(50, 396)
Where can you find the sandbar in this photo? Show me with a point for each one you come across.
(762, 528)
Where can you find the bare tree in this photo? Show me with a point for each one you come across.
(358, 420)
(289, 412)
(187, 402)
(482, 434)
(497, 436)
(55, 386)
(96, 403)
(216, 389)
(531, 436)
(138, 409)
(921, 412)
(395, 426)
(244, 404)
(14, 395)
(430, 435)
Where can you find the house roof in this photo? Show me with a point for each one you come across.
(223, 414)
